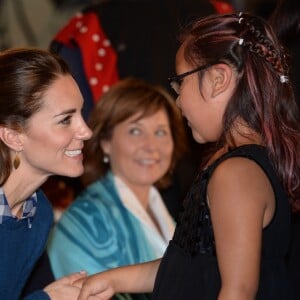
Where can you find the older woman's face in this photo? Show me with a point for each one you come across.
(141, 150)
(53, 141)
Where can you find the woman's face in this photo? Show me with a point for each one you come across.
(53, 140)
(140, 150)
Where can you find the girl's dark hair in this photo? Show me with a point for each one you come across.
(263, 96)
(285, 21)
(25, 73)
(124, 99)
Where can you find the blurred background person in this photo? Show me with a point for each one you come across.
(120, 218)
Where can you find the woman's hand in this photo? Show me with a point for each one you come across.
(63, 288)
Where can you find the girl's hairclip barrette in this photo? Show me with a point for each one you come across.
(284, 79)
(240, 15)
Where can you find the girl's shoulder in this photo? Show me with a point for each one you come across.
(242, 156)
(243, 170)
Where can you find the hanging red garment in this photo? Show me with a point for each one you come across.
(98, 57)
(222, 7)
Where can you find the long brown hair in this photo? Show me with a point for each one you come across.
(125, 99)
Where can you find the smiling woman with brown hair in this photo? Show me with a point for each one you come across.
(41, 134)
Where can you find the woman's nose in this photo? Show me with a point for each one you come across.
(150, 142)
(84, 132)
(178, 101)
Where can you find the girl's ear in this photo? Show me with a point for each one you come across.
(221, 79)
(11, 138)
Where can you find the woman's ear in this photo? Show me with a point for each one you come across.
(105, 146)
(221, 79)
(11, 138)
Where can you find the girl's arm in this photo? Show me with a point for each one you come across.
(137, 278)
(242, 203)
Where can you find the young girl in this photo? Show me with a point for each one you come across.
(233, 234)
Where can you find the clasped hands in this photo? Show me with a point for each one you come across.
(79, 286)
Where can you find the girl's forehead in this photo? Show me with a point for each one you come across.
(180, 53)
(181, 63)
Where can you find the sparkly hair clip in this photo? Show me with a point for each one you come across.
(241, 41)
(284, 79)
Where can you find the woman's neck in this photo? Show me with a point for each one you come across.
(18, 188)
(142, 195)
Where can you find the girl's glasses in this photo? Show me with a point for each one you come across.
(175, 81)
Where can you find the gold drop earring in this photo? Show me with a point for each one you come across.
(16, 161)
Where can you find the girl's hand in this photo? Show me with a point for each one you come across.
(95, 287)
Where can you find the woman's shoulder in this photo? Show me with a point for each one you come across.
(43, 203)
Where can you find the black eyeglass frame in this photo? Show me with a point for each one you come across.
(178, 78)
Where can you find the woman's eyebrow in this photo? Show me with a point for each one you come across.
(65, 112)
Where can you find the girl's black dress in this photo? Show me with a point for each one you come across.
(189, 268)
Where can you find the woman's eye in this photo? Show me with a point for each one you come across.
(66, 120)
(135, 131)
(161, 132)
